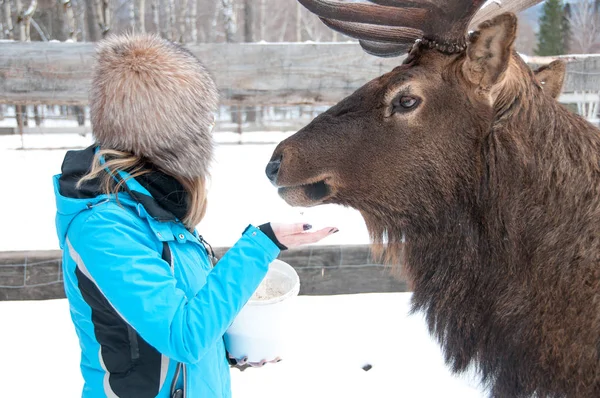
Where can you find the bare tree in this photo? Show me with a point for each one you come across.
(248, 21)
(585, 25)
(141, 23)
(8, 25)
(183, 22)
(131, 14)
(212, 34)
(93, 25)
(26, 19)
(164, 7)
(283, 29)
(80, 10)
(2, 31)
(171, 19)
(313, 28)
(263, 22)
(228, 20)
(298, 22)
(136, 13)
(526, 40)
(155, 15)
(249, 38)
(20, 110)
(19, 10)
(71, 23)
(193, 22)
(103, 15)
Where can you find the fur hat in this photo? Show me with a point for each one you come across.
(153, 98)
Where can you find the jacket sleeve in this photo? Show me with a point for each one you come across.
(117, 251)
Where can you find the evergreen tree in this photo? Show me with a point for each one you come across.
(566, 25)
(551, 37)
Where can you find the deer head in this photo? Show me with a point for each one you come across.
(407, 144)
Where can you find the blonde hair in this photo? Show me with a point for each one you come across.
(116, 161)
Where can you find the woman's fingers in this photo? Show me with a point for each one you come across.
(263, 362)
(282, 230)
(307, 237)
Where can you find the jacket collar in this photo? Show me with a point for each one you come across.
(71, 200)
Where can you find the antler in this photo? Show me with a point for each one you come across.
(495, 7)
(390, 27)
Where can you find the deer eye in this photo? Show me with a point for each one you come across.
(404, 103)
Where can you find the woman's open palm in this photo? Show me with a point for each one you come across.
(294, 235)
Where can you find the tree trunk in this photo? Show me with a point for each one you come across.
(212, 34)
(2, 20)
(263, 22)
(164, 14)
(103, 16)
(298, 22)
(79, 112)
(171, 19)
(20, 110)
(131, 14)
(156, 16)
(193, 22)
(27, 19)
(93, 25)
(70, 20)
(248, 21)
(141, 16)
(584, 22)
(283, 28)
(183, 21)
(249, 38)
(80, 9)
(19, 10)
(36, 115)
(229, 20)
(8, 25)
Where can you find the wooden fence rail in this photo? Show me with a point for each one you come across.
(252, 74)
(323, 270)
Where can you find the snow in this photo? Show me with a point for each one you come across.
(239, 194)
(334, 337)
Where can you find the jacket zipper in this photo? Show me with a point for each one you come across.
(134, 348)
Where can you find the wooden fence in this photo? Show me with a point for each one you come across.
(255, 74)
(323, 270)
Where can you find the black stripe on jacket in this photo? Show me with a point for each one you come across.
(134, 366)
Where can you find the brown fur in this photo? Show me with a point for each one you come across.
(495, 187)
(153, 98)
(552, 77)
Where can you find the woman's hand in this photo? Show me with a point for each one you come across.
(294, 235)
(243, 364)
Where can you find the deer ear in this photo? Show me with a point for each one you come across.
(552, 77)
(489, 50)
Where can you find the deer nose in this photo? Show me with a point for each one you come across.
(273, 169)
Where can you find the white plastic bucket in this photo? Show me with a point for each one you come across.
(260, 332)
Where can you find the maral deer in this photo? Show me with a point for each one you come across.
(493, 185)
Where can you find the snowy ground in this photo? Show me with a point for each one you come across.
(335, 337)
(239, 193)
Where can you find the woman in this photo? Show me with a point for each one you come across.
(149, 309)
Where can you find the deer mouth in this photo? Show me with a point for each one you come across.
(307, 195)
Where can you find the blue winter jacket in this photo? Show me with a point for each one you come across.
(137, 310)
